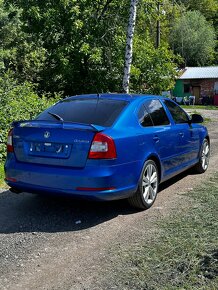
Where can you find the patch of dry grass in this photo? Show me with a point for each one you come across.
(182, 255)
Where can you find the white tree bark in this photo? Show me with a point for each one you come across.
(129, 45)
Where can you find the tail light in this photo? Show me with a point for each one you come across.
(10, 147)
(103, 147)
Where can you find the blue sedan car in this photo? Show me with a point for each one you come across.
(107, 147)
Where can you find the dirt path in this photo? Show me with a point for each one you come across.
(53, 243)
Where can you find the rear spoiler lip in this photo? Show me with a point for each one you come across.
(59, 124)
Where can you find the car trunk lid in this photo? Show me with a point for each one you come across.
(53, 143)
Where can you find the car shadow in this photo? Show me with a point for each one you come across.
(38, 213)
(175, 179)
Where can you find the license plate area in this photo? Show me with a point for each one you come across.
(47, 149)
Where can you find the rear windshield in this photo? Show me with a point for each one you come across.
(102, 112)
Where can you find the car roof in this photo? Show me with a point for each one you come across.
(115, 96)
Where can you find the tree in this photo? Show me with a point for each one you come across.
(208, 8)
(9, 31)
(82, 43)
(194, 39)
(129, 45)
(18, 51)
(153, 70)
(78, 46)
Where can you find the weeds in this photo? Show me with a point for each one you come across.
(184, 255)
(2, 175)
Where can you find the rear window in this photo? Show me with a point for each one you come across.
(102, 112)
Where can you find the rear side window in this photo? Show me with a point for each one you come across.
(157, 113)
(102, 112)
(177, 113)
(144, 117)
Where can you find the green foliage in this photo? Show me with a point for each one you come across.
(78, 46)
(17, 102)
(208, 8)
(194, 39)
(2, 175)
(82, 43)
(18, 51)
(153, 70)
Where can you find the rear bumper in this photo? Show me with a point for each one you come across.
(121, 179)
(105, 195)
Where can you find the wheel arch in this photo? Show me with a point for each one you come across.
(157, 162)
(138, 200)
(208, 138)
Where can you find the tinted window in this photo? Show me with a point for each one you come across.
(177, 113)
(102, 112)
(144, 117)
(157, 112)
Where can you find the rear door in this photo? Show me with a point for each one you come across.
(157, 130)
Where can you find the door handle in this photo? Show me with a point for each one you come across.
(156, 139)
(181, 134)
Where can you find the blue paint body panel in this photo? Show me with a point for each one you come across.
(60, 165)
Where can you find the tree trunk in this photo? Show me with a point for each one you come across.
(129, 45)
(158, 26)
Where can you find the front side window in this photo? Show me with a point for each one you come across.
(177, 113)
(157, 113)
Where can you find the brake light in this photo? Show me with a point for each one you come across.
(103, 147)
(10, 147)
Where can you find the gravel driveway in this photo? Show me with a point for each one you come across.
(60, 243)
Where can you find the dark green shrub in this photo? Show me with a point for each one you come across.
(18, 102)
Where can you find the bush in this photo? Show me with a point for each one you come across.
(18, 102)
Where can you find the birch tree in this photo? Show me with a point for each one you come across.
(129, 45)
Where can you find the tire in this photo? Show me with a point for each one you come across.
(147, 190)
(204, 154)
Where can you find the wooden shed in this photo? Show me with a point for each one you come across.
(201, 82)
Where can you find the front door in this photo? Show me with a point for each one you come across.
(187, 136)
(197, 94)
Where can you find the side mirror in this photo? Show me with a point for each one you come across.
(195, 118)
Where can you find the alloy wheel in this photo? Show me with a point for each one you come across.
(150, 183)
(205, 155)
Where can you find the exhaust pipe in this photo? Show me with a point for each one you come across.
(14, 190)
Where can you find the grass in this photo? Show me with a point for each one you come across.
(194, 111)
(183, 253)
(200, 107)
(2, 175)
